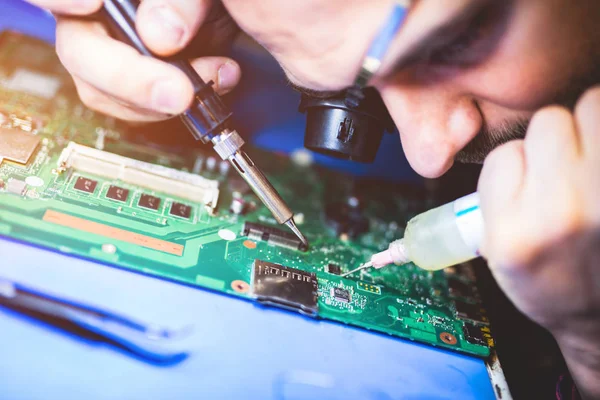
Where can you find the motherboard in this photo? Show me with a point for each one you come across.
(86, 185)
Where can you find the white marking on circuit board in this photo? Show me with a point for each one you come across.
(34, 181)
(227, 234)
(109, 248)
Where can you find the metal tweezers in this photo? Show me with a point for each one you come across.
(145, 341)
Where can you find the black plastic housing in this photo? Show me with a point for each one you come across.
(343, 129)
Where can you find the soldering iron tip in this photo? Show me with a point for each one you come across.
(292, 225)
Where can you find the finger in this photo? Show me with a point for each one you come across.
(502, 177)
(552, 151)
(74, 7)
(224, 72)
(551, 141)
(500, 188)
(118, 69)
(105, 104)
(587, 117)
(167, 26)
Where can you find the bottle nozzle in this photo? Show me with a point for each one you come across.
(395, 254)
(364, 266)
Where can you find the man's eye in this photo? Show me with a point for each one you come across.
(473, 45)
(456, 52)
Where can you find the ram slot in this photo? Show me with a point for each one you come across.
(154, 177)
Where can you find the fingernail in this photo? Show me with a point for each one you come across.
(227, 76)
(169, 27)
(166, 96)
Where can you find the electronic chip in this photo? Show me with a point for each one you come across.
(180, 210)
(85, 185)
(149, 202)
(340, 294)
(473, 334)
(285, 287)
(117, 193)
(17, 146)
(333, 269)
(16, 186)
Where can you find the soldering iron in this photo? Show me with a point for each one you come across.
(208, 117)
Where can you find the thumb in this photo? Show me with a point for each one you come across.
(224, 72)
(167, 26)
(500, 187)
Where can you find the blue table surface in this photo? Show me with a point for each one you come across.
(238, 349)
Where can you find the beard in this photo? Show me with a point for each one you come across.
(489, 138)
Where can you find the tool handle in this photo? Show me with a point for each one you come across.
(208, 115)
(382, 41)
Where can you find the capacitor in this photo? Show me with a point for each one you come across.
(224, 167)
(211, 163)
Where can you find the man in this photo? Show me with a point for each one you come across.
(457, 88)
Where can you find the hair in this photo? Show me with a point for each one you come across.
(488, 139)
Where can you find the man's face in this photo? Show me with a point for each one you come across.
(462, 77)
(476, 90)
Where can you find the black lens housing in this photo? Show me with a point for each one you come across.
(346, 126)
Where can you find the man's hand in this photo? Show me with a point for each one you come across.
(315, 41)
(541, 195)
(114, 79)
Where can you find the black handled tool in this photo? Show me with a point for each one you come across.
(207, 118)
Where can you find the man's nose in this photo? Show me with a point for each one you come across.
(435, 123)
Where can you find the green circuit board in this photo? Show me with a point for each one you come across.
(80, 183)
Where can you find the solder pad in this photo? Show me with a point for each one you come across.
(167, 231)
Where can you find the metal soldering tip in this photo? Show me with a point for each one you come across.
(364, 266)
(292, 225)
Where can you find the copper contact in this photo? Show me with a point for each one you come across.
(448, 338)
(81, 224)
(249, 244)
(17, 145)
(240, 286)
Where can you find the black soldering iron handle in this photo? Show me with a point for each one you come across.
(208, 115)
